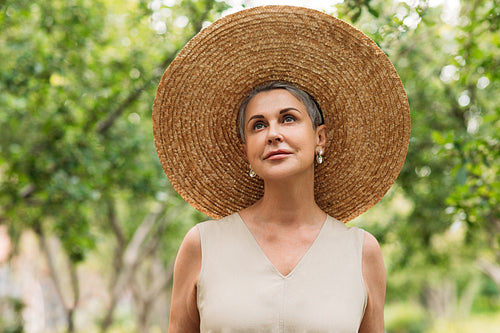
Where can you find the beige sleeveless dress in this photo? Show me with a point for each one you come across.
(239, 290)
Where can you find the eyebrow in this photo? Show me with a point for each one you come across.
(285, 110)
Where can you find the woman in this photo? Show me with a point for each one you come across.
(280, 260)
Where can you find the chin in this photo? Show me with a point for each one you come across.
(285, 174)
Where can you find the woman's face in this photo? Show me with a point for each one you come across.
(279, 137)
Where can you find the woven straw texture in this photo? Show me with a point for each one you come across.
(362, 98)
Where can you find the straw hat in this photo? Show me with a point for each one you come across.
(361, 96)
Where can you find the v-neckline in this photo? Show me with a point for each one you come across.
(296, 267)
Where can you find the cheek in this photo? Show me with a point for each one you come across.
(251, 147)
(306, 138)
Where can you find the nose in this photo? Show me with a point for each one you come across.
(274, 135)
(277, 139)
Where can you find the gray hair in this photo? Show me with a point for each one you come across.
(311, 105)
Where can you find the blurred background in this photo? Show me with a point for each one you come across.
(89, 224)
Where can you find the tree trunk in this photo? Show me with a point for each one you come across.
(490, 269)
(69, 307)
(132, 257)
(440, 300)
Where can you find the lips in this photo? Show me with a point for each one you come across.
(277, 154)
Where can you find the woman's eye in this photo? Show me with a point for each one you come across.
(288, 119)
(258, 126)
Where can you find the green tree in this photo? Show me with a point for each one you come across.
(77, 160)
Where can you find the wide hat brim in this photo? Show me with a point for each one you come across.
(361, 95)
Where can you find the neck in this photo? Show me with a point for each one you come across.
(289, 202)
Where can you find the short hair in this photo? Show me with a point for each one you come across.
(309, 102)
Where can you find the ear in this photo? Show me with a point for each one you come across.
(321, 136)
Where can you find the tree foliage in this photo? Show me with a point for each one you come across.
(76, 151)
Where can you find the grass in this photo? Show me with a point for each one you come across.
(482, 323)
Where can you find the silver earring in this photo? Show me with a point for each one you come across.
(319, 156)
(252, 173)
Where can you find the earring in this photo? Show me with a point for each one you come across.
(319, 156)
(252, 173)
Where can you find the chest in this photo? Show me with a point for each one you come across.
(256, 305)
(240, 289)
(284, 250)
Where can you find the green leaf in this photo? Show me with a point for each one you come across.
(461, 176)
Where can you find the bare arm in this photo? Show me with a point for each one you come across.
(184, 316)
(375, 280)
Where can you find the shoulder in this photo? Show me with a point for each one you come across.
(371, 247)
(373, 262)
(188, 261)
(191, 245)
(214, 230)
